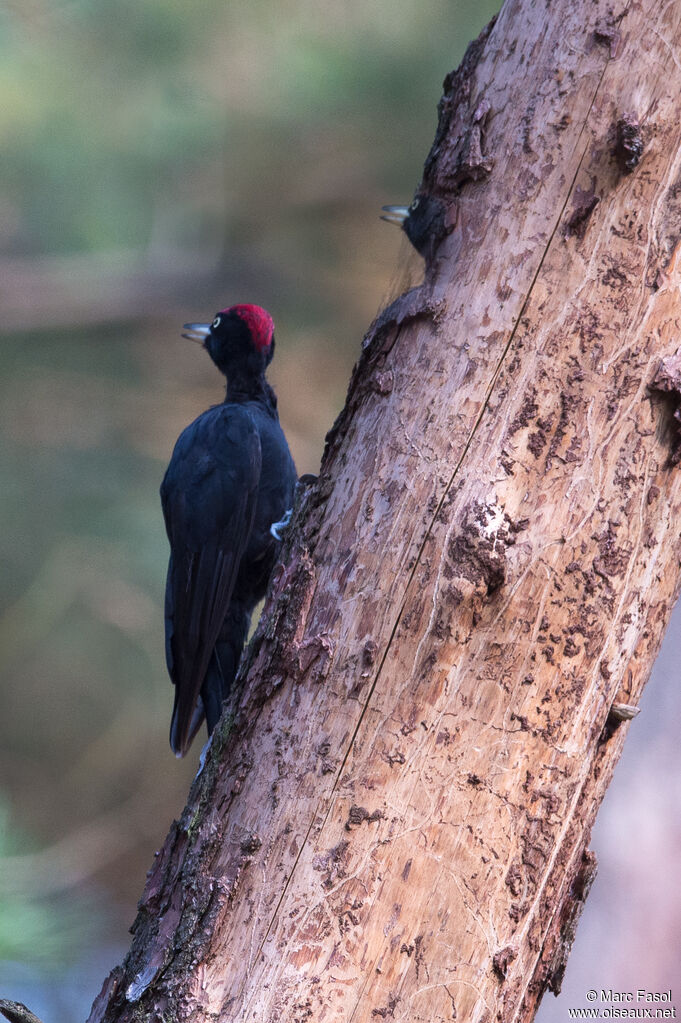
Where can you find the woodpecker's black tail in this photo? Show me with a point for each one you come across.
(218, 679)
(196, 722)
(224, 663)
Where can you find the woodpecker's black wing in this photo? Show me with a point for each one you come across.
(209, 496)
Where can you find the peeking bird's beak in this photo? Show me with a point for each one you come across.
(196, 332)
(395, 214)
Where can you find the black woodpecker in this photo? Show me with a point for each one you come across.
(225, 495)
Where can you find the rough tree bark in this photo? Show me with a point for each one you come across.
(394, 820)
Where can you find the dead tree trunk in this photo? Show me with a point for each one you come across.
(394, 821)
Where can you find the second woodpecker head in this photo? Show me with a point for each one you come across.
(423, 222)
(240, 339)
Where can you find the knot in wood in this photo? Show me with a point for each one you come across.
(629, 144)
(478, 552)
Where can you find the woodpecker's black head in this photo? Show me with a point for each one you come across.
(239, 340)
(423, 222)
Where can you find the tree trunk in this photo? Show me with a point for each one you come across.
(394, 821)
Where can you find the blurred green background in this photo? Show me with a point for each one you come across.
(159, 161)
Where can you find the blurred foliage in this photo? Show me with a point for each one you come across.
(257, 139)
(130, 124)
(40, 930)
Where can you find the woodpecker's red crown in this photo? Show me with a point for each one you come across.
(259, 322)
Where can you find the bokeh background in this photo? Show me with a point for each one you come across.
(161, 160)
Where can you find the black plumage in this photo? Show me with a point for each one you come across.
(230, 478)
(424, 222)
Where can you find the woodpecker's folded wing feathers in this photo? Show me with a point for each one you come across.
(209, 499)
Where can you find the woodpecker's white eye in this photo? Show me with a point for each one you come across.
(414, 205)
(216, 322)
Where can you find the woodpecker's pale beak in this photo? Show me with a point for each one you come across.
(395, 214)
(197, 332)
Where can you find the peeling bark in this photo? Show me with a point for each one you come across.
(394, 817)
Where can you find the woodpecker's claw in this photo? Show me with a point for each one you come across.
(395, 214)
(277, 528)
(196, 332)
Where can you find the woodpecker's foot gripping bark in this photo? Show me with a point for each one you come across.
(278, 528)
